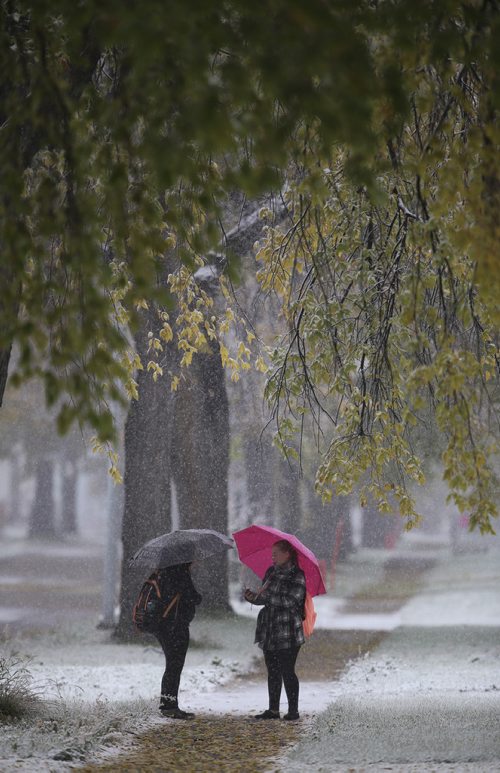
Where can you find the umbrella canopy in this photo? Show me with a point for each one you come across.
(181, 547)
(255, 544)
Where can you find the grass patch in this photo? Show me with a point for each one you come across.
(73, 731)
(18, 697)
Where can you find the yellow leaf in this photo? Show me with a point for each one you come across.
(243, 351)
(166, 332)
(115, 474)
(131, 389)
(224, 355)
(187, 358)
(260, 365)
(157, 370)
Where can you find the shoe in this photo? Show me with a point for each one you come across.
(176, 713)
(268, 714)
(292, 716)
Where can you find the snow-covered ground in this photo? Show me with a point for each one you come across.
(101, 693)
(430, 693)
(428, 698)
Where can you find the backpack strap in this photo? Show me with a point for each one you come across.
(174, 601)
(152, 581)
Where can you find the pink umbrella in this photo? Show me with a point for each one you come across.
(255, 544)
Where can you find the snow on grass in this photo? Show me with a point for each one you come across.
(462, 591)
(65, 733)
(17, 695)
(98, 694)
(429, 697)
(83, 663)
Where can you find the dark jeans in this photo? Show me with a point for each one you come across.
(174, 643)
(281, 670)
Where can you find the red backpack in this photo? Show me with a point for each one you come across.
(150, 609)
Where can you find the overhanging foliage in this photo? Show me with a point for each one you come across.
(124, 126)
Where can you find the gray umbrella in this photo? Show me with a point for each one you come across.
(181, 547)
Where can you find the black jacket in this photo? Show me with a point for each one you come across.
(177, 579)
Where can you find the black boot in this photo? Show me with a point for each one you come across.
(268, 714)
(170, 708)
(292, 715)
(176, 713)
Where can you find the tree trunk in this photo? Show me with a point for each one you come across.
(328, 527)
(200, 462)
(374, 526)
(319, 532)
(148, 432)
(197, 457)
(260, 461)
(342, 509)
(4, 369)
(42, 522)
(9, 308)
(14, 513)
(68, 494)
(112, 554)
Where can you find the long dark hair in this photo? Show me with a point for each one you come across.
(286, 547)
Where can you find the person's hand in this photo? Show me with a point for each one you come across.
(250, 595)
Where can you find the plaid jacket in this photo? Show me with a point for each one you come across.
(279, 624)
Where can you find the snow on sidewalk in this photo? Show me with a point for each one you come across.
(247, 697)
(429, 697)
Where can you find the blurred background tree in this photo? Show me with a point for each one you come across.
(45, 468)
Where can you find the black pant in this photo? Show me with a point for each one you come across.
(281, 670)
(174, 643)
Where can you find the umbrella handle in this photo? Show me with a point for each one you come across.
(262, 588)
(257, 593)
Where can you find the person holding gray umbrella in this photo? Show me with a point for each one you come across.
(173, 633)
(173, 554)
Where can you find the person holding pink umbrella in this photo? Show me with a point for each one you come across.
(279, 627)
(294, 573)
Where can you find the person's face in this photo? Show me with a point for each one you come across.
(280, 557)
